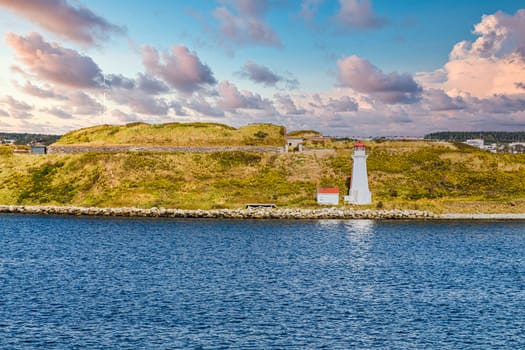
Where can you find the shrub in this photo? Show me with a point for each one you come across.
(6, 151)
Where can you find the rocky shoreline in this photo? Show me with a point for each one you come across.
(251, 213)
(257, 213)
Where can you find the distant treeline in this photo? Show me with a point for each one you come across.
(25, 138)
(487, 136)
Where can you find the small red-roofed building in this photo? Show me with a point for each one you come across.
(328, 196)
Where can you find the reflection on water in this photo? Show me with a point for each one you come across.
(361, 226)
(359, 234)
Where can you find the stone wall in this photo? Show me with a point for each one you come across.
(54, 149)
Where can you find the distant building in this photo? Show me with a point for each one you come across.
(294, 144)
(493, 147)
(328, 196)
(479, 143)
(516, 147)
(38, 149)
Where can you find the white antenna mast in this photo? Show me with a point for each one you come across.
(104, 101)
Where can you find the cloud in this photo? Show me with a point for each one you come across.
(58, 112)
(36, 91)
(494, 63)
(288, 105)
(358, 14)
(498, 104)
(15, 104)
(54, 63)
(17, 114)
(203, 107)
(231, 98)
(438, 100)
(178, 109)
(123, 117)
(241, 22)
(343, 104)
(118, 81)
(139, 102)
(78, 24)
(309, 10)
(150, 85)
(144, 82)
(181, 69)
(3, 113)
(263, 75)
(82, 103)
(360, 75)
(499, 34)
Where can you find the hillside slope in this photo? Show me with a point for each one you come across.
(442, 177)
(176, 134)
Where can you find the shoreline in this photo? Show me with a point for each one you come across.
(259, 213)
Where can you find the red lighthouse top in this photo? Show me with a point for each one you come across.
(359, 144)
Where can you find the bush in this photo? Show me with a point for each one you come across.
(6, 151)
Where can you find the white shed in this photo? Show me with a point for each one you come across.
(328, 196)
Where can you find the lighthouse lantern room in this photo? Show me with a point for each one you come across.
(359, 192)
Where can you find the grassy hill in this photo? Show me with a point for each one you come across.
(437, 176)
(176, 134)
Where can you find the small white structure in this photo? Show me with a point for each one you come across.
(359, 192)
(517, 147)
(328, 196)
(479, 143)
(294, 144)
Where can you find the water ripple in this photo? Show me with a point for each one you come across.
(328, 284)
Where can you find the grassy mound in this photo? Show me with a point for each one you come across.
(303, 133)
(176, 134)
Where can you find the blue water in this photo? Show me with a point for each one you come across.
(85, 283)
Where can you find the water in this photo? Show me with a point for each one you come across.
(194, 284)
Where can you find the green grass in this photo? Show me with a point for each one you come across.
(441, 177)
(176, 134)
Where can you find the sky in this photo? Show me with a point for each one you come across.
(354, 68)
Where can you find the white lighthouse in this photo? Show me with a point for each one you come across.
(359, 192)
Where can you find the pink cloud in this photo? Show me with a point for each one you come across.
(140, 102)
(36, 91)
(151, 85)
(439, 101)
(124, 117)
(242, 22)
(392, 88)
(494, 62)
(181, 69)
(82, 103)
(200, 105)
(343, 104)
(16, 114)
(78, 24)
(288, 105)
(263, 75)
(358, 14)
(15, 104)
(231, 98)
(58, 112)
(54, 63)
